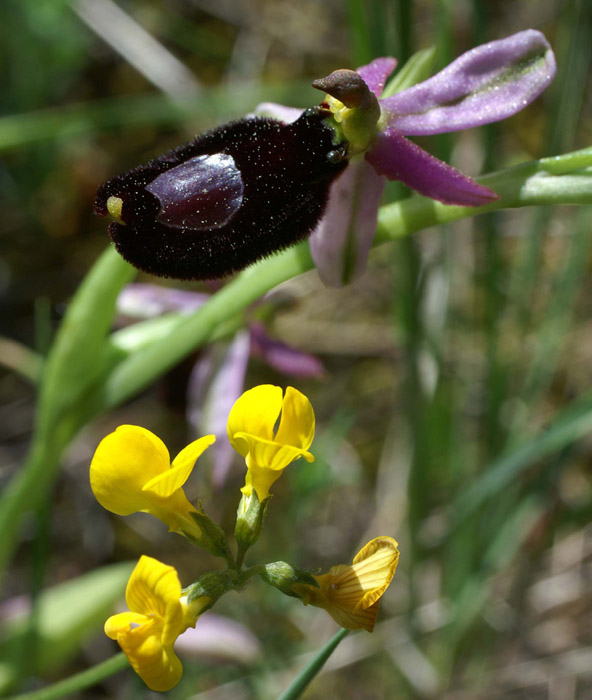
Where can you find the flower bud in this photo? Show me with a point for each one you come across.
(283, 576)
(249, 520)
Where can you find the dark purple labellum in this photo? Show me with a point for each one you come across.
(229, 198)
(203, 193)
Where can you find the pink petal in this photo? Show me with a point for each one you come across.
(488, 83)
(342, 239)
(219, 638)
(142, 300)
(283, 357)
(213, 388)
(400, 159)
(375, 74)
(274, 111)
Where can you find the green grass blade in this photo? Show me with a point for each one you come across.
(419, 67)
(572, 424)
(303, 679)
(213, 104)
(80, 681)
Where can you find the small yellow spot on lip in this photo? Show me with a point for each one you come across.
(114, 205)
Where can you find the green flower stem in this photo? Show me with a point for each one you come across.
(85, 679)
(567, 162)
(565, 179)
(252, 571)
(303, 679)
(240, 555)
(21, 359)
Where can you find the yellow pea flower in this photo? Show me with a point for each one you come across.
(131, 472)
(267, 452)
(158, 615)
(351, 593)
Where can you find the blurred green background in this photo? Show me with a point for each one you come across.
(455, 410)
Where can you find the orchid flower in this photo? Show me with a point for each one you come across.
(253, 187)
(488, 83)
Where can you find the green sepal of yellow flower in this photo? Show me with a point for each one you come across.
(249, 521)
(283, 576)
(212, 585)
(212, 538)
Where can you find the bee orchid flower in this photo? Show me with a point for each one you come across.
(258, 185)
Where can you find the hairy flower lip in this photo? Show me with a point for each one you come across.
(266, 186)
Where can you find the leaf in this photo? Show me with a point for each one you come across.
(64, 617)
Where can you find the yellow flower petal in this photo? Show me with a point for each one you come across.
(255, 412)
(351, 594)
(155, 589)
(251, 431)
(378, 544)
(374, 567)
(156, 664)
(157, 616)
(131, 472)
(123, 462)
(355, 620)
(265, 462)
(297, 424)
(261, 480)
(190, 454)
(271, 455)
(165, 484)
(123, 622)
